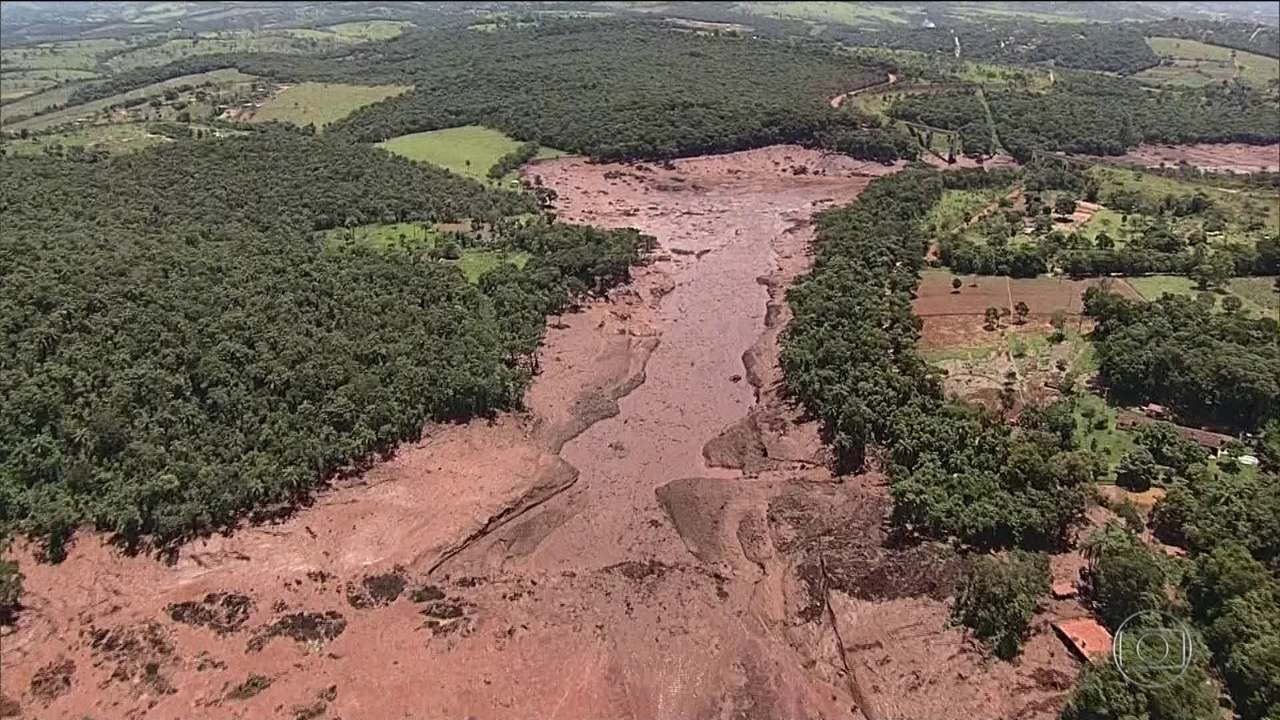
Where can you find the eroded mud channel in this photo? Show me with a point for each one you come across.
(656, 537)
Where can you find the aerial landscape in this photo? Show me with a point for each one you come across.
(640, 360)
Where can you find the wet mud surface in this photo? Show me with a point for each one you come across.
(657, 536)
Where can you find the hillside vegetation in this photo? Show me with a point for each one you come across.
(184, 348)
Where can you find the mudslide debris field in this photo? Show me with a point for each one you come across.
(657, 536)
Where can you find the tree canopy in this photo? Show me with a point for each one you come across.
(180, 347)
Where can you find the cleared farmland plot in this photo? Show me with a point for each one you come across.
(23, 83)
(1195, 63)
(321, 103)
(224, 77)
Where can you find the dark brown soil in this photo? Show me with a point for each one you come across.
(447, 616)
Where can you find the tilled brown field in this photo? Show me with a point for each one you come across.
(657, 537)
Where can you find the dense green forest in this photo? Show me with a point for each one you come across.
(1106, 116)
(180, 348)
(613, 91)
(1101, 116)
(608, 89)
(1111, 47)
(1216, 367)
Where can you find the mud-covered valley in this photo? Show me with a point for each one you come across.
(657, 536)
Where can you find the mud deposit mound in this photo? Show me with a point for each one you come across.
(581, 560)
(1228, 157)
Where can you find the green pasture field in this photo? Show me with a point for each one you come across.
(369, 30)
(1255, 293)
(957, 208)
(838, 12)
(23, 83)
(469, 150)
(473, 263)
(67, 55)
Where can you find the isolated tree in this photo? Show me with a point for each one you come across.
(1058, 321)
(1213, 271)
(992, 316)
(10, 590)
(1008, 397)
(1123, 576)
(1232, 304)
(955, 285)
(1064, 205)
(1022, 310)
(1103, 241)
(1137, 470)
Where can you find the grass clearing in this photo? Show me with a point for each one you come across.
(1104, 220)
(1245, 211)
(469, 150)
(321, 103)
(412, 237)
(35, 103)
(1259, 291)
(1255, 293)
(1190, 62)
(370, 29)
(958, 207)
(833, 12)
(295, 41)
(1096, 429)
(114, 139)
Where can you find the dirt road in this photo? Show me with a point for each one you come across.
(656, 537)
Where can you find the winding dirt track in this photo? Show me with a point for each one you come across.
(656, 537)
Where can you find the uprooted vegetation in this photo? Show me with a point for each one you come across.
(312, 629)
(220, 612)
